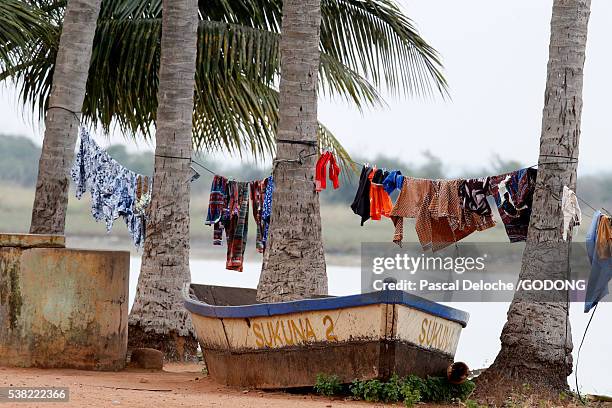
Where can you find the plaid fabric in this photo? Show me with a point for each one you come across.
(217, 207)
(238, 225)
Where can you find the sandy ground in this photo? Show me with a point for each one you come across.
(177, 386)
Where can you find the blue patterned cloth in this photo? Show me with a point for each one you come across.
(112, 187)
(266, 211)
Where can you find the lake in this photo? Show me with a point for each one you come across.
(479, 341)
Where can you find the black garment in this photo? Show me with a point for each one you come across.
(379, 176)
(361, 203)
(473, 195)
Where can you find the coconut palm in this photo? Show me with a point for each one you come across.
(165, 261)
(294, 262)
(66, 96)
(536, 339)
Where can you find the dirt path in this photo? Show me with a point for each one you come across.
(177, 386)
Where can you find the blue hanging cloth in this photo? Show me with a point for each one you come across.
(112, 187)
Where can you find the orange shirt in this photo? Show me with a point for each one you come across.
(380, 202)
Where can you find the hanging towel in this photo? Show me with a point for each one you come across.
(572, 216)
(597, 239)
(361, 203)
(321, 169)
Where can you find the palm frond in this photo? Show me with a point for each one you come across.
(376, 38)
(365, 45)
(20, 25)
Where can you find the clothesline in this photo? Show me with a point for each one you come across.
(532, 166)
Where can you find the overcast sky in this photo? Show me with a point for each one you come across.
(495, 57)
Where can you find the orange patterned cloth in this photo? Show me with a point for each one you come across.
(604, 237)
(380, 202)
(436, 206)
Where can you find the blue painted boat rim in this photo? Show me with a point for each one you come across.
(394, 297)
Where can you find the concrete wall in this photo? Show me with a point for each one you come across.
(62, 307)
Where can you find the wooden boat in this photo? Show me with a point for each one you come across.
(286, 344)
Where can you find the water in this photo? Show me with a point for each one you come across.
(479, 343)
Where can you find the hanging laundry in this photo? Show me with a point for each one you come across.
(218, 212)
(604, 238)
(361, 203)
(393, 181)
(258, 190)
(572, 216)
(266, 209)
(514, 205)
(473, 194)
(380, 202)
(112, 187)
(321, 169)
(440, 219)
(237, 227)
(598, 241)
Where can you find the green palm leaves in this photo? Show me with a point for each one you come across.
(365, 45)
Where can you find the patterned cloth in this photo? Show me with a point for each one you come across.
(217, 207)
(440, 219)
(266, 209)
(237, 227)
(514, 205)
(258, 189)
(112, 187)
(473, 194)
(601, 267)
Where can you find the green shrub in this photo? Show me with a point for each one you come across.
(411, 390)
(410, 396)
(327, 385)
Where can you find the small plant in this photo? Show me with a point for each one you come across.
(412, 390)
(356, 389)
(373, 391)
(391, 390)
(410, 395)
(327, 385)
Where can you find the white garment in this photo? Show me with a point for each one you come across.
(503, 190)
(572, 216)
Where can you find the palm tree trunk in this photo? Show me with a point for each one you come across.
(61, 126)
(158, 318)
(294, 263)
(536, 340)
